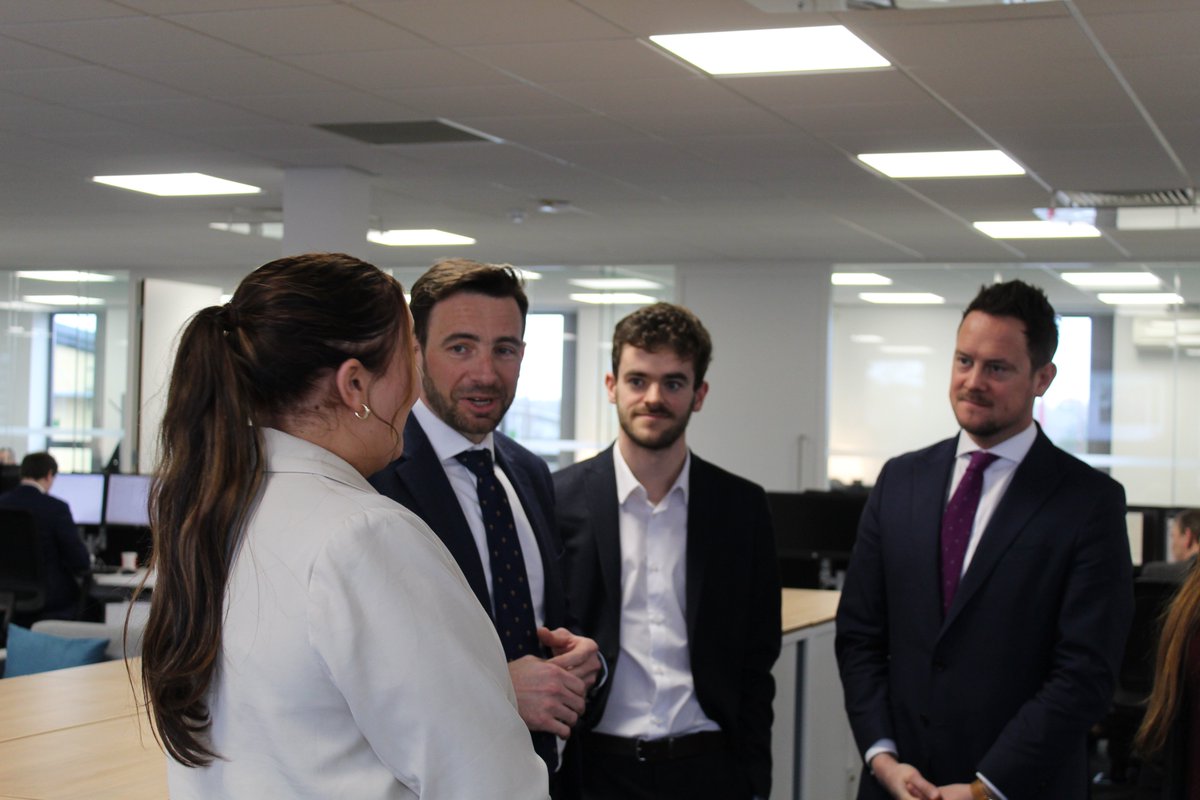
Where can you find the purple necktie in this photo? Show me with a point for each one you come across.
(958, 521)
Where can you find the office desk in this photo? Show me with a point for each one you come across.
(122, 580)
(77, 733)
(812, 751)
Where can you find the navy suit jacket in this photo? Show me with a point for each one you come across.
(1024, 662)
(63, 550)
(732, 596)
(418, 481)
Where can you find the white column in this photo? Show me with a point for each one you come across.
(326, 209)
(766, 414)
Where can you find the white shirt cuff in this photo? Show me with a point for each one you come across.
(882, 746)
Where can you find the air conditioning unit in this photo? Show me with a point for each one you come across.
(1166, 333)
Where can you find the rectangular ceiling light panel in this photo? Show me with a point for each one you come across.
(773, 51)
(1036, 229)
(427, 237)
(943, 164)
(177, 184)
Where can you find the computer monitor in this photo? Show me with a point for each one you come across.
(817, 524)
(83, 492)
(126, 500)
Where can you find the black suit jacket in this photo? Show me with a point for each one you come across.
(1024, 661)
(732, 597)
(418, 481)
(62, 548)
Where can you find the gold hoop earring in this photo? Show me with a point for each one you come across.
(366, 412)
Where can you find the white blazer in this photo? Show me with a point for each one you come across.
(355, 661)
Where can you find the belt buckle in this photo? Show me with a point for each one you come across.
(641, 757)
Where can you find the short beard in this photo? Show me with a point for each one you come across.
(446, 410)
(661, 442)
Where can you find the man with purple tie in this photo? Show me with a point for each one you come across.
(988, 599)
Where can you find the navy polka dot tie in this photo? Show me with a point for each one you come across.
(958, 521)
(510, 585)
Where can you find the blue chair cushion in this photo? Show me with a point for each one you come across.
(30, 652)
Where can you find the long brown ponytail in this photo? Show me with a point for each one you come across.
(1166, 699)
(239, 367)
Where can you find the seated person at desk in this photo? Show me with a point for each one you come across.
(63, 549)
(1184, 543)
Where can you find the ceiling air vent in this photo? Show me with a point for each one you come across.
(1146, 198)
(433, 131)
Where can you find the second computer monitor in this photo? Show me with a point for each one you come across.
(127, 500)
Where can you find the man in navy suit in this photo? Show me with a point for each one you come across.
(976, 671)
(469, 321)
(63, 550)
(670, 563)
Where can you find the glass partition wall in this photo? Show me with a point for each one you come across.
(64, 354)
(1123, 399)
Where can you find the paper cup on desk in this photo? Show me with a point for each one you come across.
(129, 560)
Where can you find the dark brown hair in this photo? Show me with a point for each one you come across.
(666, 325)
(36, 466)
(453, 275)
(240, 367)
(1029, 305)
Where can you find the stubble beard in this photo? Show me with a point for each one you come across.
(447, 410)
(660, 441)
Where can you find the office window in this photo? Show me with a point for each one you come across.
(65, 367)
(541, 414)
(71, 418)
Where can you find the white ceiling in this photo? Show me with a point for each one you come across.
(663, 164)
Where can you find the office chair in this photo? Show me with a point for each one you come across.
(1135, 680)
(22, 569)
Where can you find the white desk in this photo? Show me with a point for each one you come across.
(123, 580)
(812, 750)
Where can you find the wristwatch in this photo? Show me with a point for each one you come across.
(979, 790)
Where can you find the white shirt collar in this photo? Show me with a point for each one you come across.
(1014, 448)
(446, 441)
(627, 483)
(34, 484)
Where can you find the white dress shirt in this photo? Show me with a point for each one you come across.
(653, 694)
(996, 478)
(448, 443)
(355, 661)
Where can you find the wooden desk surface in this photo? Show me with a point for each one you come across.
(803, 608)
(115, 759)
(66, 698)
(77, 733)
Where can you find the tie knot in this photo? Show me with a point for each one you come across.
(981, 460)
(478, 461)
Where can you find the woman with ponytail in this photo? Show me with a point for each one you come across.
(1169, 736)
(307, 636)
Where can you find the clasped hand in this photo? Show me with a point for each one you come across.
(905, 782)
(552, 693)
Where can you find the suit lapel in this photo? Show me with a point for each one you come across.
(701, 519)
(1034, 481)
(553, 610)
(601, 488)
(435, 502)
(928, 504)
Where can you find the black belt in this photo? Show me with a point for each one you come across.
(664, 749)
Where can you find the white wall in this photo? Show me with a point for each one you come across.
(889, 396)
(166, 308)
(1155, 427)
(766, 411)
